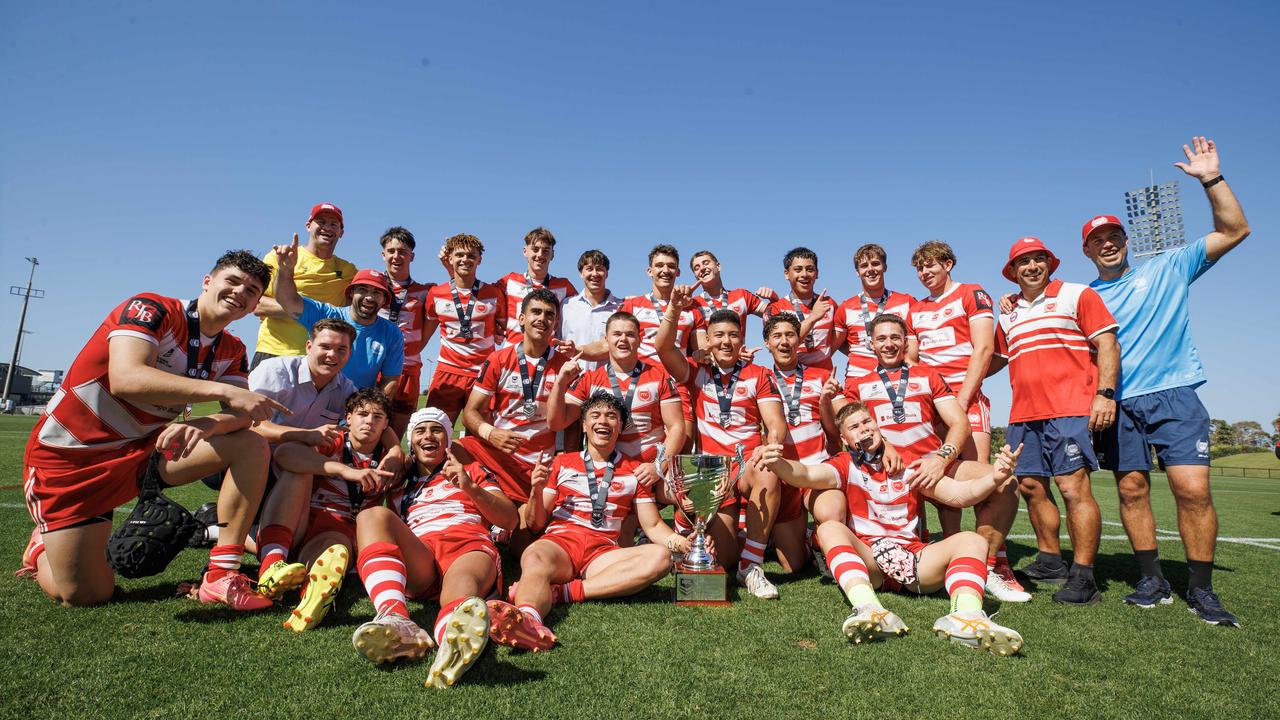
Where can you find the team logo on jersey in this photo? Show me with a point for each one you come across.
(143, 312)
(913, 386)
(1050, 306)
(512, 382)
(948, 312)
(481, 308)
(899, 486)
(1013, 316)
(644, 395)
(618, 486)
(740, 391)
(982, 299)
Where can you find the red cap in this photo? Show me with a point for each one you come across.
(1024, 246)
(372, 278)
(1097, 222)
(325, 208)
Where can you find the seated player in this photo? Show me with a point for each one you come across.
(586, 496)
(879, 547)
(405, 307)
(150, 358)
(814, 310)
(344, 479)
(432, 542)
(731, 397)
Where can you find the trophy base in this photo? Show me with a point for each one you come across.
(701, 587)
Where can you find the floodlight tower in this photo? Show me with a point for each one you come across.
(1155, 218)
(26, 293)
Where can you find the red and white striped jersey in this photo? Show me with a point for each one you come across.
(407, 311)
(85, 427)
(459, 354)
(806, 441)
(569, 497)
(743, 302)
(1052, 366)
(852, 318)
(433, 504)
(500, 380)
(754, 388)
(649, 310)
(926, 390)
(341, 498)
(516, 285)
(942, 327)
(880, 505)
(654, 388)
(816, 349)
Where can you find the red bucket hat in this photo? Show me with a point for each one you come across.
(1024, 246)
(371, 278)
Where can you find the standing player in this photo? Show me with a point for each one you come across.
(432, 543)
(1159, 371)
(319, 275)
(714, 295)
(151, 357)
(471, 316)
(854, 316)
(879, 547)
(731, 398)
(1060, 396)
(586, 313)
(406, 308)
(586, 497)
(539, 248)
(650, 308)
(816, 312)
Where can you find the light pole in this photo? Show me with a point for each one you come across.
(26, 293)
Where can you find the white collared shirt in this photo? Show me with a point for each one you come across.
(584, 323)
(287, 380)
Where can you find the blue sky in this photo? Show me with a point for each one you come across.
(139, 140)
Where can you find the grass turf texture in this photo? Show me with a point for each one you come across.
(150, 655)
(1266, 459)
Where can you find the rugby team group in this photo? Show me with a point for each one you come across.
(573, 405)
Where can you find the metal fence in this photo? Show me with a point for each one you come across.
(1264, 473)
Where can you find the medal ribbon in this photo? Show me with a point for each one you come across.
(196, 369)
(599, 490)
(896, 397)
(529, 386)
(464, 315)
(725, 396)
(792, 399)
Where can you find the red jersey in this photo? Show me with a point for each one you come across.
(816, 349)
(806, 439)
(463, 353)
(407, 311)
(500, 379)
(880, 506)
(913, 436)
(649, 310)
(340, 498)
(942, 326)
(743, 302)
(571, 510)
(752, 388)
(1052, 367)
(852, 318)
(516, 285)
(653, 388)
(85, 430)
(433, 504)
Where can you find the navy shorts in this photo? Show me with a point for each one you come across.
(1174, 422)
(1053, 447)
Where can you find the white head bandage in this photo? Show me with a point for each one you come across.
(430, 414)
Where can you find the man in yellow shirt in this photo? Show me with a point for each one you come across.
(319, 275)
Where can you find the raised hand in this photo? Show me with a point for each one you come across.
(832, 388)
(822, 305)
(287, 255)
(257, 407)
(1003, 467)
(569, 372)
(457, 474)
(371, 479)
(1202, 159)
(323, 435)
(767, 293)
(568, 347)
(747, 354)
(539, 475)
(680, 295)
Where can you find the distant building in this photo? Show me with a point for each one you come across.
(30, 388)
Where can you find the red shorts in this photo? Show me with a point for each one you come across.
(406, 399)
(321, 521)
(451, 544)
(583, 546)
(512, 475)
(792, 504)
(449, 392)
(58, 500)
(979, 412)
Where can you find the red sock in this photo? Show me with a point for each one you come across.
(382, 571)
(442, 620)
(273, 545)
(752, 554)
(532, 613)
(991, 561)
(224, 559)
(966, 572)
(573, 592)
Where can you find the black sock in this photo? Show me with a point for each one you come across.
(1201, 574)
(1050, 560)
(1082, 570)
(1149, 563)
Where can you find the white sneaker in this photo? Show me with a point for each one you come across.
(391, 636)
(998, 588)
(464, 640)
(976, 630)
(870, 622)
(757, 584)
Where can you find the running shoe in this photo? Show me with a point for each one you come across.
(1204, 603)
(754, 580)
(1079, 590)
(1044, 574)
(1151, 591)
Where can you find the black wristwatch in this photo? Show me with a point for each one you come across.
(1108, 393)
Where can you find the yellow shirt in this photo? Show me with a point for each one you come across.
(323, 280)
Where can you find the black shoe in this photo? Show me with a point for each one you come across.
(1079, 590)
(1151, 591)
(208, 516)
(1044, 574)
(1205, 604)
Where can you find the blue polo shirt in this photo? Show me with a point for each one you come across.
(378, 348)
(1150, 304)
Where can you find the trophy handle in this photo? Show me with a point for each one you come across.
(742, 463)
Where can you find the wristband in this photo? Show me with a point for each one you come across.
(484, 431)
(1212, 182)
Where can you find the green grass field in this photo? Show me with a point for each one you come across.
(1249, 460)
(150, 655)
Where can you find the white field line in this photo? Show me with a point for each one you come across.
(1171, 536)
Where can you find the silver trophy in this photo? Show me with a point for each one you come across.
(701, 483)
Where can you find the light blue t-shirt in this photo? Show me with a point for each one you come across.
(1150, 304)
(379, 347)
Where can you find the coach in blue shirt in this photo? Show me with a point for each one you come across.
(1159, 371)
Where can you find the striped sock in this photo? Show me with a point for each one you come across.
(273, 545)
(224, 559)
(1002, 553)
(991, 562)
(570, 592)
(532, 613)
(442, 620)
(966, 573)
(851, 575)
(383, 574)
(752, 554)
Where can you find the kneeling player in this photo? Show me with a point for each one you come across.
(884, 512)
(434, 543)
(587, 495)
